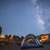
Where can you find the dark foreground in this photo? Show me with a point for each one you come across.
(24, 49)
(19, 48)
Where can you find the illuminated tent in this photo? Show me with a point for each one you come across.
(28, 39)
(44, 38)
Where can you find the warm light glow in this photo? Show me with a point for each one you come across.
(2, 36)
(44, 38)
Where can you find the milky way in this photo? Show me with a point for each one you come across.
(42, 16)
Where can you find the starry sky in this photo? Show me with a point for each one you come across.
(25, 16)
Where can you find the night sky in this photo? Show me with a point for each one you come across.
(25, 16)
